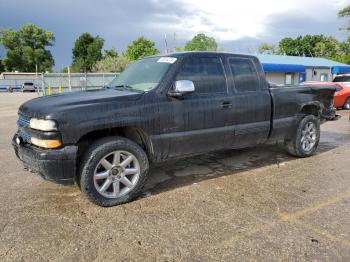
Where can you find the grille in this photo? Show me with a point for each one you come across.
(23, 121)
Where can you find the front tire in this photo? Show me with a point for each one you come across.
(114, 171)
(347, 104)
(306, 139)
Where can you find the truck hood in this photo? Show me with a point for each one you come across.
(50, 106)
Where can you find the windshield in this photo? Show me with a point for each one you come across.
(143, 75)
(342, 79)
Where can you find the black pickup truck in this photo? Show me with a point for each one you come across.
(164, 107)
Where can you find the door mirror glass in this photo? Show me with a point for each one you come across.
(182, 87)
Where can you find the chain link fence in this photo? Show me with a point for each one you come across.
(51, 83)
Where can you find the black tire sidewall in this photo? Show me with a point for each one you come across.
(347, 101)
(299, 150)
(97, 151)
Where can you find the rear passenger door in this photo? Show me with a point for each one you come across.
(196, 122)
(251, 102)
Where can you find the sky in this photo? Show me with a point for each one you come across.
(238, 26)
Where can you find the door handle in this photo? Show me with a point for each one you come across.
(226, 105)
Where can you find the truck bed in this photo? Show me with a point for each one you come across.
(288, 102)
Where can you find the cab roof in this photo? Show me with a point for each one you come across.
(193, 53)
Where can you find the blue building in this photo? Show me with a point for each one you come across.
(296, 69)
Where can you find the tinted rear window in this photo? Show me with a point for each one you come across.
(28, 84)
(244, 74)
(342, 79)
(206, 73)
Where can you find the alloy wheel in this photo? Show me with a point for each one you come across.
(309, 136)
(116, 174)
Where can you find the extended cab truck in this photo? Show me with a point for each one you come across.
(163, 107)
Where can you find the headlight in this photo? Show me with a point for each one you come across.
(45, 143)
(43, 125)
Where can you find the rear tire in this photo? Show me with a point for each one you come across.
(113, 171)
(346, 105)
(306, 139)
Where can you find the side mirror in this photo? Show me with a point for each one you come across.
(181, 88)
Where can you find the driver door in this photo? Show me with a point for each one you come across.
(195, 123)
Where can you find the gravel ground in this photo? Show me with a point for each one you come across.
(245, 205)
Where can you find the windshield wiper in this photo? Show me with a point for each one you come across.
(127, 87)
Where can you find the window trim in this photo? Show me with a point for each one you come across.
(233, 78)
(200, 57)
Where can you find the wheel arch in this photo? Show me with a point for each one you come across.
(135, 134)
(311, 109)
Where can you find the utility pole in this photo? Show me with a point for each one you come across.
(85, 81)
(43, 83)
(103, 76)
(166, 44)
(69, 82)
(174, 41)
(36, 76)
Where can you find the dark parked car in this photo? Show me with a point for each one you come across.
(164, 107)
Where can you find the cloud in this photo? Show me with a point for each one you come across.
(295, 23)
(118, 22)
(231, 20)
(238, 26)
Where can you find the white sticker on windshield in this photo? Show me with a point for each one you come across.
(170, 60)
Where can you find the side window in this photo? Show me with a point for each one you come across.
(244, 74)
(324, 77)
(206, 73)
(289, 79)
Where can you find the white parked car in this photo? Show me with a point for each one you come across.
(28, 87)
(345, 79)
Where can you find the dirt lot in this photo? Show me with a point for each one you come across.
(254, 204)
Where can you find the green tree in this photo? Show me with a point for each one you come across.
(64, 70)
(329, 47)
(309, 42)
(317, 46)
(110, 53)
(86, 52)
(345, 13)
(289, 46)
(1, 67)
(111, 64)
(201, 42)
(308, 45)
(140, 48)
(26, 49)
(266, 48)
(343, 52)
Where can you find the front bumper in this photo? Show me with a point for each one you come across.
(56, 165)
